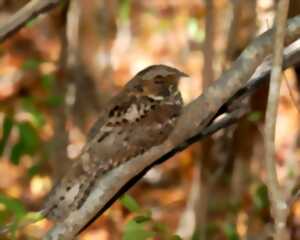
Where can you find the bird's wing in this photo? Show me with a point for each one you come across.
(129, 130)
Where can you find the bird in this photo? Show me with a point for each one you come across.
(141, 116)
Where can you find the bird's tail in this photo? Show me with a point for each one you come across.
(29, 218)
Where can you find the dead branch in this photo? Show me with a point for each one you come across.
(196, 117)
(28, 12)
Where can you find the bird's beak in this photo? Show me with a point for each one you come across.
(183, 75)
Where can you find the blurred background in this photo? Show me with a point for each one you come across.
(60, 69)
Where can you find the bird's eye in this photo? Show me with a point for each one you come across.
(139, 88)
(158, 81)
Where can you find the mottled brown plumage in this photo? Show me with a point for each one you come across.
(141, 116)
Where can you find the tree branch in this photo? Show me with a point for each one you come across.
(278, 202)
(21, 17)
(262, 74)
(195, 119)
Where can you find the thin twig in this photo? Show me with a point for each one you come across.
(208, 76)
(25, 14)
(278, 202)
(235, 17)
(208, 68)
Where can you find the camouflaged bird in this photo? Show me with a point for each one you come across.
(141, 116)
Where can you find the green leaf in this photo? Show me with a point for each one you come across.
(27, 103)
(175, 237)
(4, 215)
(54, 100)
(142, 218)
(196, 235)
(33, 170)
(27, 144)
(48, 81)
(160, 227)
(21, 216)
(28, 137)
(63, 3)
(260, 197)
(33, 217)
(6, 128)
(16, 152)
(37, 117)
(31, 64)
(230, 232)
(13, 206)
(31, 22)
(194, 30)
(254, 116)
(130, 203)
(124, 10)
(134, 230)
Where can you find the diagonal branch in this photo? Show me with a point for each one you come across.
(21, 17)
(194, 120)
(262, 73)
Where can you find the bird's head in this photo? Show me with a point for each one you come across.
(157, 81)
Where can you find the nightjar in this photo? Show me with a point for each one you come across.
(140, 117)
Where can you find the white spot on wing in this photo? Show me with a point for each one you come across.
(156, 98)
(106, 128)
(132, 113)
